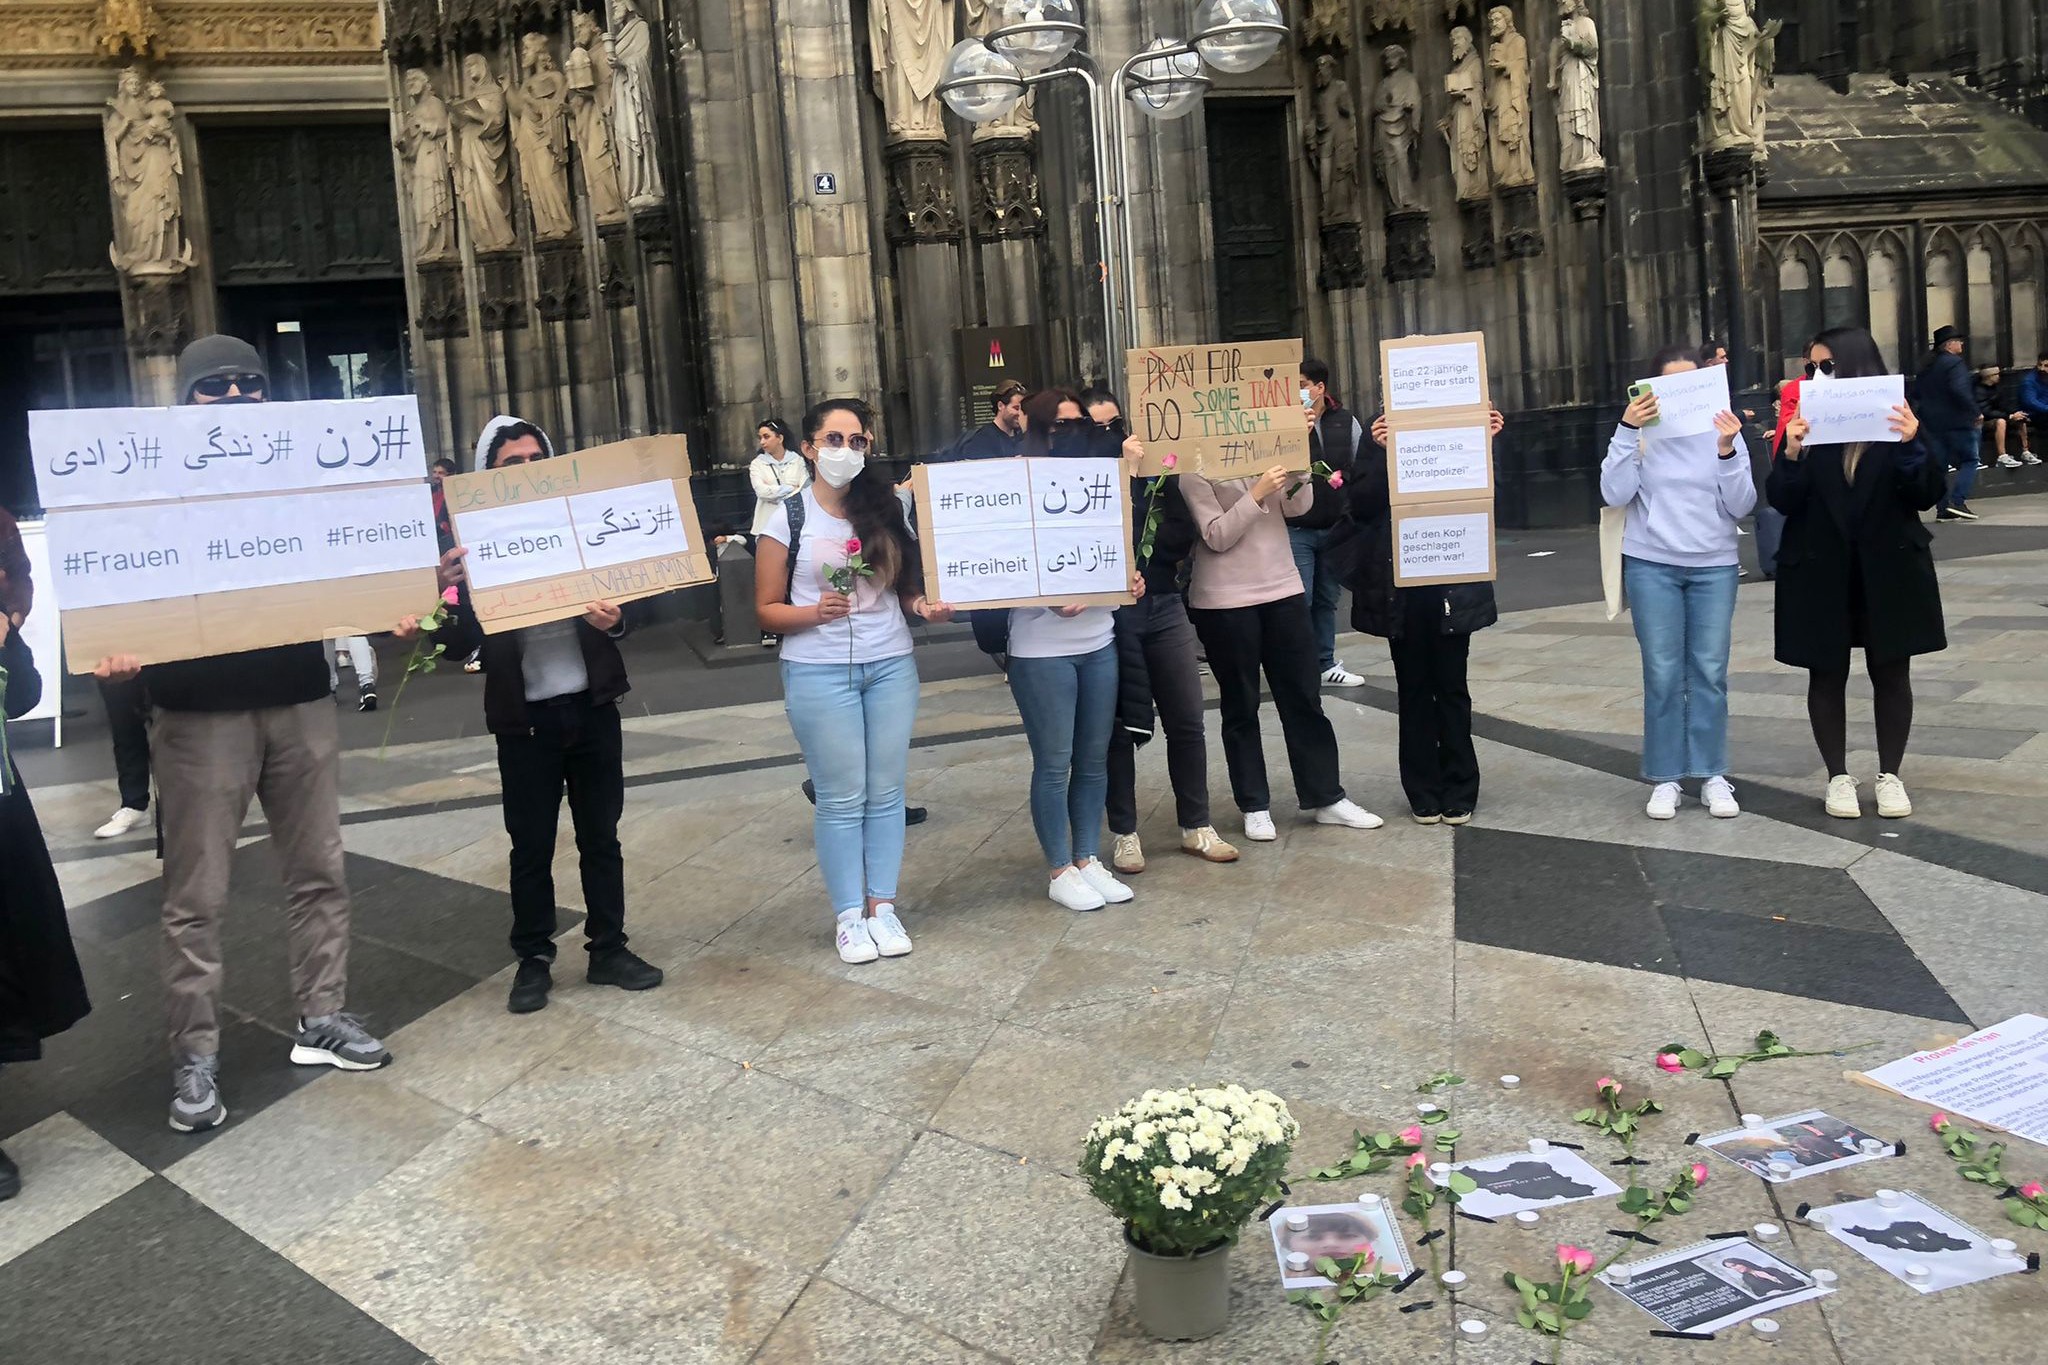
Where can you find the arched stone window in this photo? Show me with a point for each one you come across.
(2023, 293)
(1944, 289)
(1980, 268)
(1886, 300)
(1843, 303)
(1798, 304)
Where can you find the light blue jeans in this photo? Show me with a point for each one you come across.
(853, 724)
(1311, 548)
(1069, 707)
(1684, 620)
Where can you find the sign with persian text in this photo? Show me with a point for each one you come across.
(1228, 411)
(1025, 532)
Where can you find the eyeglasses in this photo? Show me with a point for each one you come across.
(221, 385)
(832, 440)
(1814, 367)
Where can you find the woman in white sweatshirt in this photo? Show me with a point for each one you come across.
(778, 474)
(1685, 497)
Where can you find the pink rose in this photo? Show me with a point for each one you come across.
(1169, 460)
(1578, 1260)
(1415, 1159)
(1669, 1062)
(1607, 1083)
(1699, 1174)
(1412, 1135)
(1938, 1122)
(1336, 478)
(2031, 1190)
(853, 545)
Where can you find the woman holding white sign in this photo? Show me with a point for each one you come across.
(1855, 570)
(1686, 497)
(835, 572)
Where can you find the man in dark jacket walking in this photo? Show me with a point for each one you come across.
(1333, 440)
(551, 696)
(1945, 399)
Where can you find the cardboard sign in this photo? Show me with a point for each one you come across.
(1444, 542)
(1227, 411)
(1839, 411)
(179, 533)
(615, 523)
(1439, 463)
(1025, 532)
(1438, 374)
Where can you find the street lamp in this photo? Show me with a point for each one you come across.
(980, 84)
(1165, 81)
(1037, 34)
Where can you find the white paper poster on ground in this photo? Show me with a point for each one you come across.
(41, 630)
(1925, 1247)
(1688, 401)
(1447, 374)
(1838, 411)
(1439, 460)
(1339, 1231)
(1711, 1285)
(1443, 543)
(1799, 1145)
(1528, 1180)
(1025, 532)
(625, 525)
(1997, 1076)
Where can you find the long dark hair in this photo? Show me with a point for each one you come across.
(872, 508)
(780, 428)
(1041, 412)
(1855, 351)
(1671, 355)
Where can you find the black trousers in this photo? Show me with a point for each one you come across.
(1439, 767)
(1157, 629)
(128, 722)
(575, 747)
(1277, 637)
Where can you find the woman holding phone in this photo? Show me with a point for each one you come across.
(1855, 570)
(1686, 496)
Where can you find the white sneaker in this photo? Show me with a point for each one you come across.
(2030, 458)
(1350, 814)
(1718, 795)
(1074, 891)
(1129, 856)
(856, 944)
(1258, 826)
(887, 932)
(1892, 801)
(2008, 462)
(1842, 801)
(1663, 802)
(1109, 888)
(1338, 675)
(123, 820)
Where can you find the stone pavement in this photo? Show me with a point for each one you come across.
(779, 1158)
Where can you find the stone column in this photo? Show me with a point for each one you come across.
(923, 228)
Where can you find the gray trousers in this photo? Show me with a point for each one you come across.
(208, 764)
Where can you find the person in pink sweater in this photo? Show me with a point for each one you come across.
(1251, 612)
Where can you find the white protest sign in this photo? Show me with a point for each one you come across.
(88, 456)
(1443, 543)
(1439, 460)
(518, 542)
(1996, 1076)
(112, 556)
(1688, 401)
(622, 525)
(1838, 411)
(1025, 532)
(1447, 372)
(41, 628)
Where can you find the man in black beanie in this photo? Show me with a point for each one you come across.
(228, 728)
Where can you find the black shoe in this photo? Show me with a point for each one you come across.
(10, 1177)
(810, 792)
(1457, 817)
(1945, 515)
(624, 969)
(1962, 509)
(915, 815)
(367, 702)
(530, 986)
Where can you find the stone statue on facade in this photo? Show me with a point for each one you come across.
(1575, 80)
(422, 144)
(540, 135)
(483, 177)
(1507, 100)
(983, 18)
(590, 119)
(636, 141)
(1332, 143)
(1326, 25)
(146, 171)
(909, 40)
(1397, 121)
(1381, 15)
(127, 28)
(1739, 57)
(1464, 121)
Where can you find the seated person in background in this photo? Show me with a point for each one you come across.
(1998, 420)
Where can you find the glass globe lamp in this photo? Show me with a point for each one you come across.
(1238, 35)
(980, 84)
(1036, 35)
(1170, 85)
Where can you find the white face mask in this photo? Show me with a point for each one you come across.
(1307, 398)
(839, 466)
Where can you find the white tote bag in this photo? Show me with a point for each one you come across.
(1613, 521)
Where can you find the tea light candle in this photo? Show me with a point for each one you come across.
(1620, 1274)
(1297, 1222)
(1427, 1107)
(1538, 1146)
(1889, 1199)
(1764, 1327)
(2005, 1248)
(1297, 1263)
(1471, 1327)
(1767, 1232)
(1918, 1274)
(1817, 1218)
(1439, 1170)
(1370, 1201)
(1511, 1082)
(1873, 1147)
(1752, 1120)
(1453, 1280)
(1527, 1218)
(1826, 1279)
(1781, 1169)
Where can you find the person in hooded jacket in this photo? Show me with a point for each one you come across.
(551, 699)
(1428, 631)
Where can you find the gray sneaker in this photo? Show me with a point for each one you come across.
(195, 1098)
(338, 1040)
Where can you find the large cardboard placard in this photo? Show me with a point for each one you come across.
(1448, 462)
(1225, 411)
(614, 523)
(177, 533)
(1025, 532)
(1444, 542)
(1437, 375)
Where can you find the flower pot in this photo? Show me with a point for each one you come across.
(1181, 1298)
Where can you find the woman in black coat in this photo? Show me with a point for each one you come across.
(1855, 571)
(1428, 631)
(42, 992)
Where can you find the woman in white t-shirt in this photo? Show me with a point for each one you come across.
(849, 684)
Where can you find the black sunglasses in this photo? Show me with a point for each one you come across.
(832, 440)
(1814, 367)
(221, 385)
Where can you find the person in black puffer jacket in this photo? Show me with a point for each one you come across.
(1429, 633)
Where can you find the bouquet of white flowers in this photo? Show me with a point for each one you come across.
(1186, 1169)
